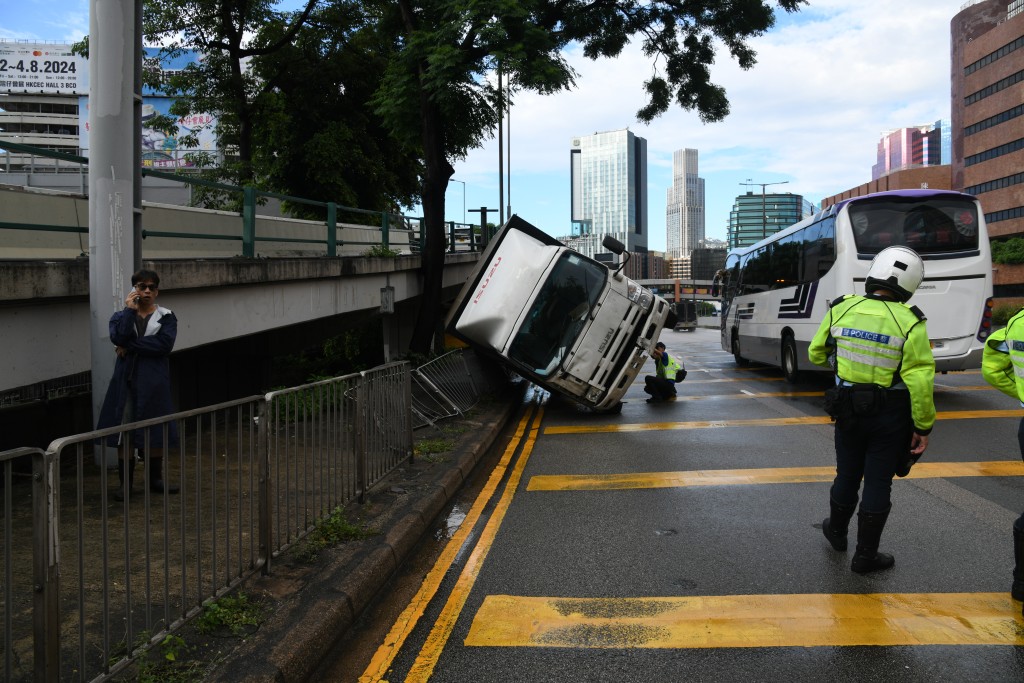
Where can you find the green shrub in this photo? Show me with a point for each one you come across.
(381, 250)
(1001, 313)
(1008, 251)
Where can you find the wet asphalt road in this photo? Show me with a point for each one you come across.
(640, 547)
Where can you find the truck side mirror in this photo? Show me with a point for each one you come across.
(617, 248)
(613, 245)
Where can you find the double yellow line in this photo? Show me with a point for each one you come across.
(425, 662)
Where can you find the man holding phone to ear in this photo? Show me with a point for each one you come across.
(143, 335)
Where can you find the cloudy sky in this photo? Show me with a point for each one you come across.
(829, 80)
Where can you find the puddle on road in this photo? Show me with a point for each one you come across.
(456, 516)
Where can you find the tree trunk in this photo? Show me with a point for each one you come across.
(435, 180)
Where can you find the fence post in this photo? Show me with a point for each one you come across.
(45, 565)
(406, 410)
(361, 465)
(332, 229)
(451, 236)
(264, 508)
(249, 222)
(385, 230)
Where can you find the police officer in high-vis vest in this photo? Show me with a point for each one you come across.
(885, 370)
(1002, 365)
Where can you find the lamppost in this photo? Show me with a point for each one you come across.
(764, 212)
(453, 180)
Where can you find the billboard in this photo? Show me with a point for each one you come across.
(160, 151)
(42, 68)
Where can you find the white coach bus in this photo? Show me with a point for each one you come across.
(776, 292)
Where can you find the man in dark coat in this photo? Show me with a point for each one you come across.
(140, 388)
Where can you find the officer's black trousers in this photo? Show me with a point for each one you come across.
(1019, 524)
(659, 387)
(869, 448)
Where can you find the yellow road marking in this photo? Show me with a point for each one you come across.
(767, 422)
(749, 621)
(385, 655)
(425, 662)
(769, 475)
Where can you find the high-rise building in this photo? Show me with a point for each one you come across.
(987, 91)
(684, 205)
(911, 148)
(608, 176)
(756, 216)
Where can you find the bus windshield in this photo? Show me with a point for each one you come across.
(933, 225)
(559, 313)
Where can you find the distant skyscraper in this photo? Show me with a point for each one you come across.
(911, 148)
(754, 216)
(609, 190)
(684, 205)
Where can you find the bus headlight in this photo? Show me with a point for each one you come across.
(640, 295)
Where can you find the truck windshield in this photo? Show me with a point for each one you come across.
(558, 314)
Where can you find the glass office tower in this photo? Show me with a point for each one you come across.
(754, 216)
(609, 190)
(684, 206)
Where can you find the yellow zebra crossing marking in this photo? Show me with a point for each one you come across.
(812, 620)
(770, 475)
(768, 422)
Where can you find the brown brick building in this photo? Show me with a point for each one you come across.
(987, 86)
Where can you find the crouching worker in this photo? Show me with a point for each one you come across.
(662, 385)
(882, 402)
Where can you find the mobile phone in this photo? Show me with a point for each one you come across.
(134, 294)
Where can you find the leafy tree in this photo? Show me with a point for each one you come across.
(323, 139)
(438, 96)
(227, 33)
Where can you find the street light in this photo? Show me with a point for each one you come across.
(453, 180)
(764, 212)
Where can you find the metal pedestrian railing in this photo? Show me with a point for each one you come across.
(91, 583)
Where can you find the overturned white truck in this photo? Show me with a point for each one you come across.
(558, 318)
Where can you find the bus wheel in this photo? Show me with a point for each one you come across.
(740, 360)
(790, 364)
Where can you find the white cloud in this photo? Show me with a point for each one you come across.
(45, 20)
(828, 81)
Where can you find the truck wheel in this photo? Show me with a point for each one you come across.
(740, 360)
(790, 364)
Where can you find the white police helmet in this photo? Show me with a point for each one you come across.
(898, 269)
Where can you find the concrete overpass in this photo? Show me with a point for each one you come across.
(216, 293)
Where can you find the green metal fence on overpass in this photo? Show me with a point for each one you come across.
(389, 230)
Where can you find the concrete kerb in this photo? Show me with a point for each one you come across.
(317, 605)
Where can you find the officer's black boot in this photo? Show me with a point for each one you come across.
(123, 469)
(869, 532)
(1017, 591)
(156, 476)
(837, 523)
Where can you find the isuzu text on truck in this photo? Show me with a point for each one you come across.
(558, 318)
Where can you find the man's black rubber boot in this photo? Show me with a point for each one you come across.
(119, 492)
(837, 523)
(156, 477)
(1017, 591)
(869, 532)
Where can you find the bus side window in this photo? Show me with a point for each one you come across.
(826, 249)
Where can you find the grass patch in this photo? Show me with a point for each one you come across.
(431, 450)
(330, 531)
(236, 614)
